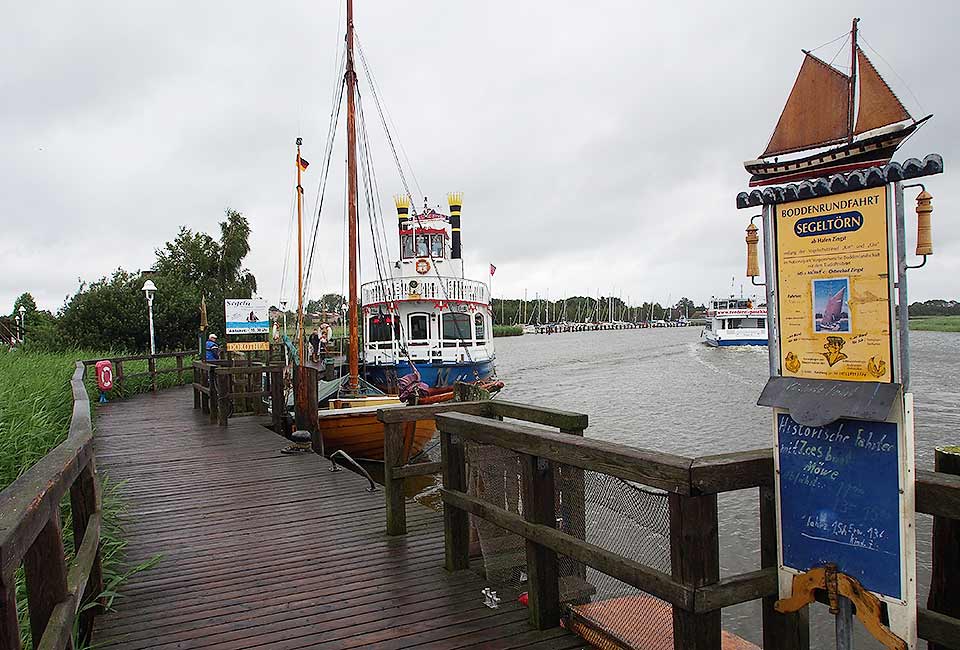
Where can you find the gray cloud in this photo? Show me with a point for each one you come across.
(599, 146)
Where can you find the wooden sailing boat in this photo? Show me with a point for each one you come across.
(820, 112)
(349, 423)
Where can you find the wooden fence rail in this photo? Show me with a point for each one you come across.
(395, 472)
(31, 535)
(223, 389)
(694, 586)
(119, 376)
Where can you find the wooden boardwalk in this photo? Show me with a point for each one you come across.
(261, 550)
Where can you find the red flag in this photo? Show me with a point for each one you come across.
(493, 270)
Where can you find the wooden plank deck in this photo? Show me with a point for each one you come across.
(261, 550)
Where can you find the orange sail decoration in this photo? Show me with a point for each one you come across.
(878, 105)
(816, 111)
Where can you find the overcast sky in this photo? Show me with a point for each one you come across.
(599, 146)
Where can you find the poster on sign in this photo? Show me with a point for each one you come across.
(247, 316)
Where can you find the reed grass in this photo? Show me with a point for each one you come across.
(935, 323)
(507, 330)
(36, 404)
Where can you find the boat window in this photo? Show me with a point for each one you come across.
(733, 324)
(419, 327)
(480, 329)
(406, 246)
(456, 326)
(381, 328)
(761, 322)
(436, 246)
(423, 245)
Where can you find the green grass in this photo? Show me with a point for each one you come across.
(935, 323)
(507, 330)
(36, 405)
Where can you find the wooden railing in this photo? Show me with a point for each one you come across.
(119, 377)
(227, 388)
(395, 471)
(694, 586)
(31, 535)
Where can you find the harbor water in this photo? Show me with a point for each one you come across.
(662, 389)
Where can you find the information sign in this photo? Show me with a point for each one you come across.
(247, 316)
(834, 293)
(840, 499)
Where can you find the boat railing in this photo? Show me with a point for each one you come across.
(425, 288)
(543, 484)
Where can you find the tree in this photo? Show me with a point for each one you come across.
(26, 301)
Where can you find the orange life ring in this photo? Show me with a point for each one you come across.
(423, 266)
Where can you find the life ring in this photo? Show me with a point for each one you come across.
(423, 266)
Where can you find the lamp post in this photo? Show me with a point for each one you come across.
(149, 288)
(23, 324)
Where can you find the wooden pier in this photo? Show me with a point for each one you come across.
(260, 549)
(254, 549)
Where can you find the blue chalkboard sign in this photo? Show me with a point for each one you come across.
(840, 499)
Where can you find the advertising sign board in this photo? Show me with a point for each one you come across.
(247, 316)
(834, 291)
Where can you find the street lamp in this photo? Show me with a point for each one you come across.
(23, 325)
(149, 288)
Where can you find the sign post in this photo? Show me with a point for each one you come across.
(835, 265)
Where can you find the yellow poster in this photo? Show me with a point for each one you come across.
(834, 292)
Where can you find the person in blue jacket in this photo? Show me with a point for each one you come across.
(213, 349)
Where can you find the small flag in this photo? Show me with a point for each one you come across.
(303, 163)
(493, 270)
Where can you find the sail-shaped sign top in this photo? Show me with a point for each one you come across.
(878, 105)
(816, 111)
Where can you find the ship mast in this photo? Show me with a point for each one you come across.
(300, 341)
(350, 78)
(853, 80)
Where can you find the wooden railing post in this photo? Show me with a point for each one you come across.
(179, 369)
(214, 397)
(393, 486)
(120, 375)
(196, 392)
(9, 624)
(277, 404)
(224, 389)
(781, 631)
(538, 508)
(945, 573)
(84, 503)
(152, 369)
(695, 562)
(45, 568)
(456, 522)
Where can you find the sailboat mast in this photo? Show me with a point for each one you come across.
(853, 80)
(350, 78)
(300, 338)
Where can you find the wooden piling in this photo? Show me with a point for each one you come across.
(945, 575)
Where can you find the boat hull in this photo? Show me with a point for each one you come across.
(869, 152)
(361, 435)
(384, 376)
(720, 343)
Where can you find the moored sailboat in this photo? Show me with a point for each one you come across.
(846, 122)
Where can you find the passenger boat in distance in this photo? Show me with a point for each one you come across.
(735, 321)
(820, 119)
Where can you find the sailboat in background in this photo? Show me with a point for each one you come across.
(820, 112)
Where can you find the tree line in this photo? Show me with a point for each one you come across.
(587, 309)
(111, 313)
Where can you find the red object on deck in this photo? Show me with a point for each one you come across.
(104, 375)
(524, 599)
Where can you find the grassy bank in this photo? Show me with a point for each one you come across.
(507, 330)
(935, 323)
(36, 405)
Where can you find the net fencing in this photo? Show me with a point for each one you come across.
(629, 520)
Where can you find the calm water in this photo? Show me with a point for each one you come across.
(663, 389)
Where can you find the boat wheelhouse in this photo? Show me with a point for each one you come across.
(735, 321)
(427, 317)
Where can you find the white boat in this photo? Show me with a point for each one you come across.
(735, 321)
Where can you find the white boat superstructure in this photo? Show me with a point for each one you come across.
(735, 321)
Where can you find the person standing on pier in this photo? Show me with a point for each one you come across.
(213, 348)
(315, 345)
